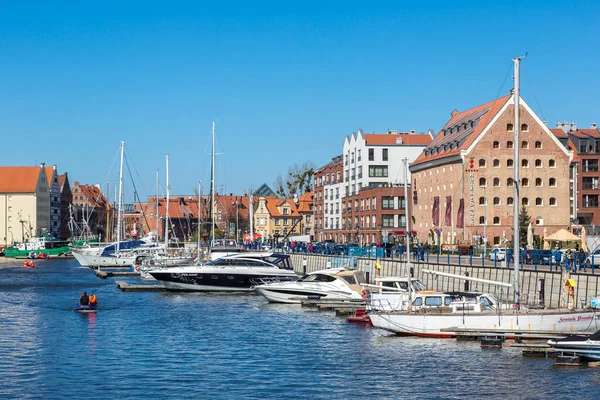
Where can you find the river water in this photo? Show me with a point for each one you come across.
(190, 345)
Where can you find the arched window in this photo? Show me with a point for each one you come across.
(482, 201)
(552, 182)
(496, 163)
(552, 164)
(538, 144)
(482, 220)
(524, 128)
(538, 201)
(509, 182)
(496, 182)
(509, 145)
(525, 163)
(510, 127)
(481, 162)
(496, 144)
(538, 182)
(496, 201)
(482, 182)
(496, 220)
(538, 163)
(552, 201)
(509, 163)
(525, 182)
(509, 201)
(525, 201)
(524, 144)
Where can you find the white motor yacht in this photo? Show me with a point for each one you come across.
(333, 283)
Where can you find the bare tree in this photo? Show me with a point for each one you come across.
(298, 180)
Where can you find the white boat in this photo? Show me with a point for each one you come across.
(234, 273)
(333, 283)
(393, 292)
(587, 347)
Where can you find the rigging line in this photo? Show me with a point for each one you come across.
(504, 80)
(136, 172)
(105, 181)
(135, 192)
(536, 99)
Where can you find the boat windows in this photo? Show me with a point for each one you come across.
(318, 278)
(350, 279)
(448, 300)
(433, 301)
(418, 302)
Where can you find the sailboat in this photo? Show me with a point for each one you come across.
(117, 254)
(470, 313)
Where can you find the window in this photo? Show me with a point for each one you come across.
(509, 163)
(496, 163)
(538, 182)
(552, 164)
(552, 201)
(538, 201)
(538, 163)
(482, 182)
(524, 182)
(386, 220)
(509, 145)
(524, 144)
(496, 201)
(384, 154)
(525, 163)
(538, 144)
(379, 171)
(481, 220)
(481, 162)
(510, 127)
(525, 202)
(509, 182)
(482, 201)
(496, 182)
(496, 220)
(496, 144)
(509, 201)
(524, 128)
(387, 203)
(371, 154)
(552, 182)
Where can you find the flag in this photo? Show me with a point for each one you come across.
(435, 211)
(448, 216)
(460, 220)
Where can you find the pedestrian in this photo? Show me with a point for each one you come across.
(586, 264)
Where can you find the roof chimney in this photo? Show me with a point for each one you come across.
(573, 126)
(594, 125)
(566, 126)
(413, 131)
(559, 124)
(545, 122)
(453, 113)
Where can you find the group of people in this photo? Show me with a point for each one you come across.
(86, 300)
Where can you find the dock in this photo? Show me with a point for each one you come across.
(106, 274)
(340, 306)
(128, 287)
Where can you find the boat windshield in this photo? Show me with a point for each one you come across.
(318, 278)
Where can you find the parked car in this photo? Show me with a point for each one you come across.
(497, 254)
(594, 258)
(538, 257)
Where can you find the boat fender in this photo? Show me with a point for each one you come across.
(571, 291)
(364, 294)
(24, 264)
(31, 264)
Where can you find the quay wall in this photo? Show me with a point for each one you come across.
(537, 287)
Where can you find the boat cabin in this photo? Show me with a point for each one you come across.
(428, 301)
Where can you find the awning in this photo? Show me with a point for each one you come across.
(403, 233)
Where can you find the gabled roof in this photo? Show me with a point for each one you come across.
(305, 202)
(61, 180)
(264, 190)
(461, 130)
(19, 179)
(335, 161)
(94, 194)
(49, 175)
(397, 139)
(274, 202)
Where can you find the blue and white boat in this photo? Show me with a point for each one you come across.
(586, 347)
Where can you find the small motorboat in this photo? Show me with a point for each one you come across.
(85, 308)
(586, 347)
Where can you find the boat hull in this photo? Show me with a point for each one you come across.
(92, 260)
(85, 308)
(440, 325)
(296, 294)
(16, 253)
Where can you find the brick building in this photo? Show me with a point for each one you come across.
(463, 181)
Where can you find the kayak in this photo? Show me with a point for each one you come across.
(85, 308)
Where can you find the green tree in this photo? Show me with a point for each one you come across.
(524, 220)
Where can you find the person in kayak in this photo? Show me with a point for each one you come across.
(92, 300)
(84, 300)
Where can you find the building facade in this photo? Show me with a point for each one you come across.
(55, 217)
(329, 186)
(463, 181)
(24, 204)
(275, 218)
(92, 211)
(66, 200)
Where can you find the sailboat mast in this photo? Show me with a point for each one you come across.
(199, 200)
(517, 182)
(406, 217)
(156, 204)
(167, 207)
(120, 203)
(212, 187)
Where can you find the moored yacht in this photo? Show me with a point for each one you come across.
(579, 345)
(233, 273)
(334, 283)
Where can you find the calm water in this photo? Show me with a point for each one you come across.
(165, 345)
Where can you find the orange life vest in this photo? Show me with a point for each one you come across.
(92, 299)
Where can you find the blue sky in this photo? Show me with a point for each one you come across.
(285, 81)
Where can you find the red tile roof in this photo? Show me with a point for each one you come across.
(421, 139)
(49, 175)
(19, 179)
(305, 202)
(94, 195)
(274, 202)
(460, 132)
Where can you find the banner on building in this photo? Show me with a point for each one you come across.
(435, 211)
(448, 216)
(460, 220)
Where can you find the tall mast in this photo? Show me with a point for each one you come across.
(517, 182)
(212, 187)
(120, 202)
(199, 200)
(407, 219)
(167, 206)
(156, 203)
(251, 215)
